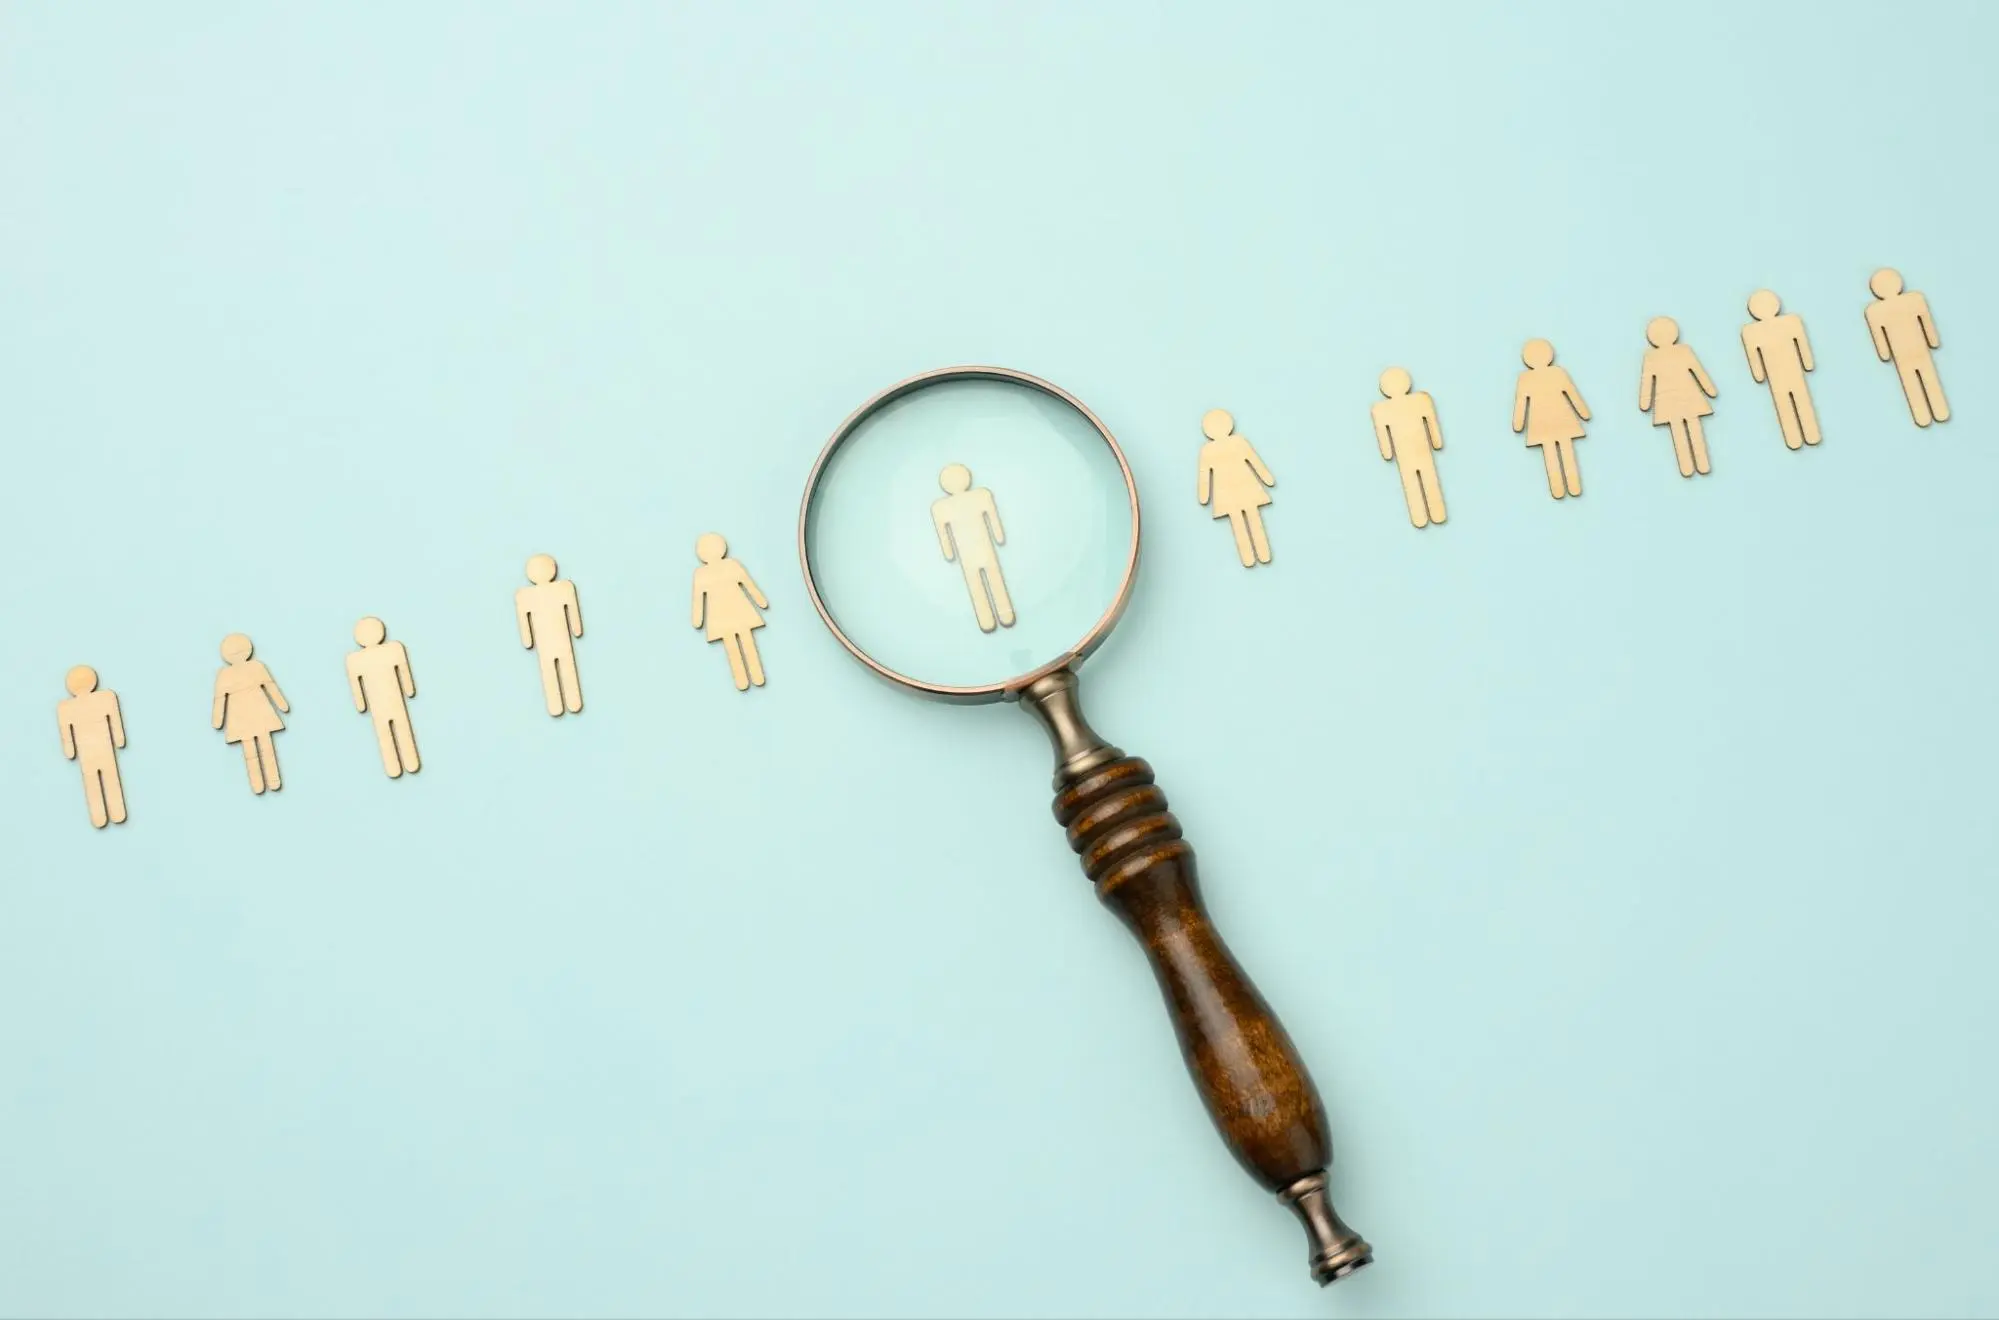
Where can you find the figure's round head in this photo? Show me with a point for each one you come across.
(1662, 330)
(1395, 382)
(371, 631)
(236, 648)
(1217, 425)
(1887, 282)
(541, 570)
(1764, 304)
(956, 479)
(1538, 353)
(80, 680)
(710, 548)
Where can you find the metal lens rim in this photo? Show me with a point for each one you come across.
(1007, 689)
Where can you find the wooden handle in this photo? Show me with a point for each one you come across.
(1248, 1072)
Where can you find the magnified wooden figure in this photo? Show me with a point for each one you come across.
(1407, 429)
(1234, 479)
(1675, 388)
(551, 619)
(1549, 408)
(248, 706)
(380, 678)
(1779, 356)
(1905, 333)
(92, 732)
(729, 603)
(969, 531)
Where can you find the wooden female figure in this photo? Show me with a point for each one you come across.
(247, 702)
(1549, 408)
(723, 596)
(1234, 479)
(1675, 389)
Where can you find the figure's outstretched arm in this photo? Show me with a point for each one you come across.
(1206, 485)
(1382, 438)
(1256, 465)
(271, 686)
(354, 686)
(1647, 378)
(1520, 404)
(756, 592)
(404, 674)
(522, 621)
(1755, 356)
(1574, 396)
(943, 532)
(992, 517)
(572, 609)
(1701, 377)
(1881, 349)
(1928, 322)
(221, 701)
(117, 723)
(1431, 423)
(700, 604)
(68, 736)
(1805, 349)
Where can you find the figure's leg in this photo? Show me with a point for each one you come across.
(568, 682)
(1698, 443)
(1259, 539)
(1572, 472)
(975, 585)
(736, 670)
(1681, 449)
(113, 789)
(385, 742)
(1433, 490)
(93, 794)
(1551, 455)
(1807, 415)
(752, 661)
(1412, 494)
(1243, 550)
(1002, 602)
(253, 764)
(1915, 393)
(1787, 415)
(1926, 372)
(268, 754)
(551, 680)
(406, 743)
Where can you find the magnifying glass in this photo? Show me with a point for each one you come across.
(971, 535)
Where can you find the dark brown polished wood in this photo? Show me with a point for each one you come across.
(1243, 1063)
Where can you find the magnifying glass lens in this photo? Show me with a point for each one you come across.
(970, 532)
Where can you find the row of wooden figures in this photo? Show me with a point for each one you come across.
(249, 706)
(1673, 388)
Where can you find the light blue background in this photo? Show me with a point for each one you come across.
(1624, 867)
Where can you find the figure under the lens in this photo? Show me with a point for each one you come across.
(729, 602)
(247, 706)
(1675, 388)
(1407, 429)
(969, 530)
(1550, 409)
(380, 678)
(92, 733)
(1905, 334)
(1779, 356)
(551, 619)
(1234, 479)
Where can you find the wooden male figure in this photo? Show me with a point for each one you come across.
(92, 732)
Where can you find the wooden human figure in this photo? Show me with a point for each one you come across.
(551, 618)
(1234, 478)
(1549, 408)
(247, 710)
(1779, 356)
(969, 531)
(1675, 388)
(92, 732)
(1905, 333)
(380, 678)
(1407, 429)
(728, 602)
